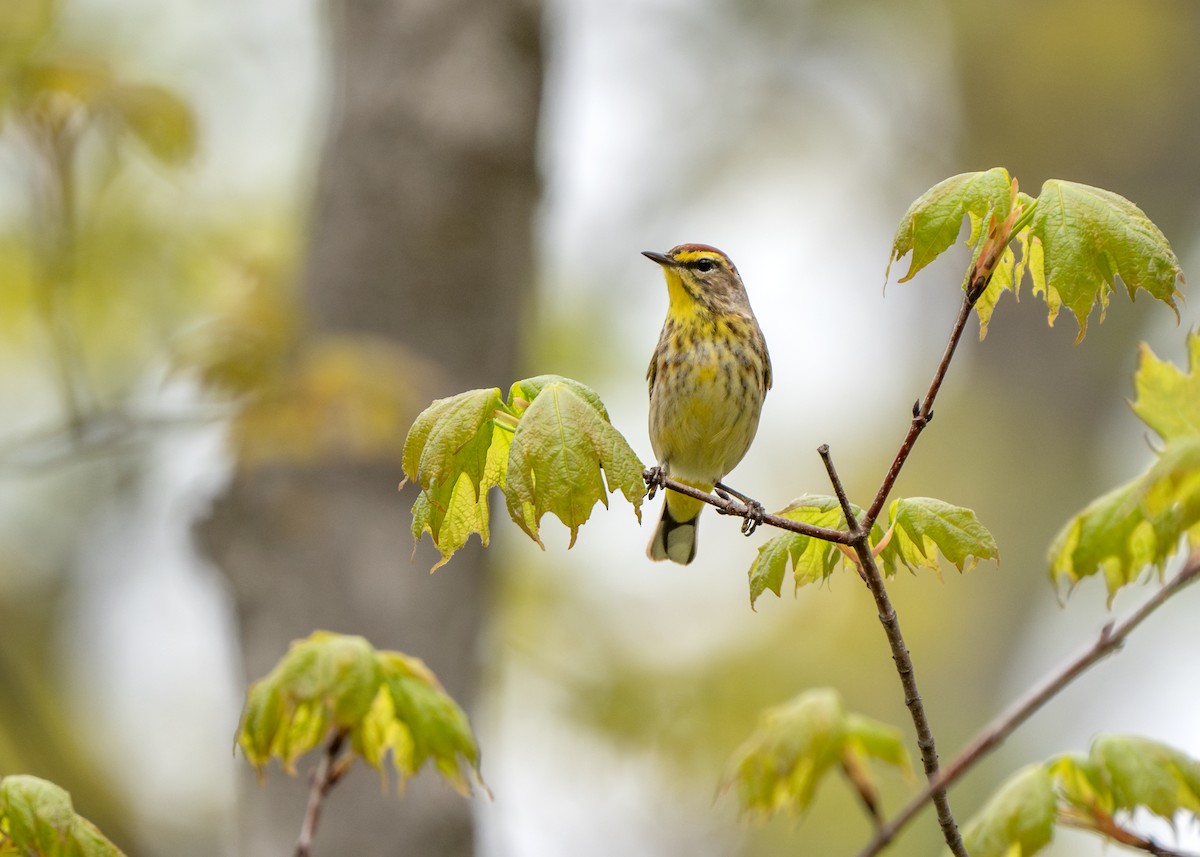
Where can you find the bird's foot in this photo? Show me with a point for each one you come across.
(655, 477)
(754, 512)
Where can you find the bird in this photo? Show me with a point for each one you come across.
(708, 377)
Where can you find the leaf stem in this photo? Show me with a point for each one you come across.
(324, 777)
(1111, 638)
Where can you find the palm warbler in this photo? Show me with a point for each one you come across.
(708, 377)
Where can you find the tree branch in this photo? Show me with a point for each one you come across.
(1111, 638)
(729, 506)
(912, 696)
(324, 777)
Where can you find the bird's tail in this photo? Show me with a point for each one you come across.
(675, 538)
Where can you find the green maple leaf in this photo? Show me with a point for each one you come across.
(550, 448)
(1128, 772)
(1074, 241)
(812, 560)
(1087, 237)
(37, 819)
(563, 451)
(933, 221)
(1116, 537)
(1018, 821)
(385, 702)
(923, 528)
(795, 745)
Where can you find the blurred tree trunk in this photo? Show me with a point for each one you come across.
(421, 235)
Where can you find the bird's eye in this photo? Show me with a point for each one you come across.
(705, 265)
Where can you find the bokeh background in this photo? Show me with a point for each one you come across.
(244, 242)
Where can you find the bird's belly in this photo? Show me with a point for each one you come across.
(702, 419)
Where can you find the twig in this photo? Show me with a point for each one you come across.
(730, 506)
(869, 569)
(1117, 833)
(326, 775)
(838, 488)
(1111, 638)
(922, 415)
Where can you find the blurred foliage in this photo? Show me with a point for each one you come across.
(119, 275)
(37, 819)
(130, 309)
(1096, 792)
(796, 744)
(1144, 523)
(385, 702)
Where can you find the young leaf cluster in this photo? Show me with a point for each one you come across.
(1119, 774)
(1140, 525)
(920, 531)
(383, 701)
(549, 448)
(796, 744)
(37, 819)
(1075, 241)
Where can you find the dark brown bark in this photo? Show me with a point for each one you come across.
(422, 236)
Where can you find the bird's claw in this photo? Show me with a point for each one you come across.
(752, 510)
(754, 517)
(655, 477)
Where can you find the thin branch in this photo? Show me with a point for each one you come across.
(838, 488)
(1119, 834)
(922, 415)
(1111, 638)
(101, 433)
(326, 775)
(730, 506)
(912, 696)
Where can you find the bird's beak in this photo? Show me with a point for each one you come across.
(661, 258)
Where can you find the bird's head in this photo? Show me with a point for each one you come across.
(700, 276)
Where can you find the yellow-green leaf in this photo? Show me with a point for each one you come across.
(455, 453)
(1114, 536)
(794, 745)
(1125, 773)
(325, 682)
(1088, 236)
(1168, 399)
(159, 118)
(37, 819)
(1018, 821)
(437, 728)
(924, 528)
(933, 222)
(1141, 524)
(551, 448)
(812, 560)
(382, 701)
(563, 450)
